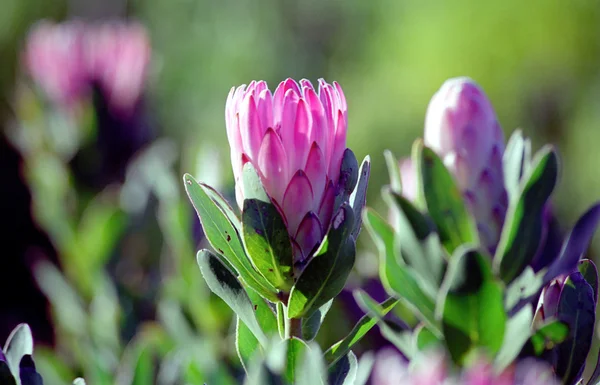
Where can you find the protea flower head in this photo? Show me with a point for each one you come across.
(462, 128)
(68, 60)
(295, 138)
(432, 368)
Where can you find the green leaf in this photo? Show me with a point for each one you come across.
(265, 234)
(281, 319)
(419, 244)
(311, 368)
(264, 314)
(523, 289)
(515, 162)
(549, 335)
(79, 381)
(518, 331)
(399, 278)
(444, 201)
(588, 270)
(344, 371)
(394, 171)
(358, 198)
(312, 324)
(325, 275)
(366, 323)
(246, 344)
(296, 350)
(225, 285)
(348, 178)
(18, 344)
(523, 225)
(425, 338)
(471, 306)
(225, 239)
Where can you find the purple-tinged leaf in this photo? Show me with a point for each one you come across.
(576, 243)
(588, 270)
(578, 309)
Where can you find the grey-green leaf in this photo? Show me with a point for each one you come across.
(225, 238)
(312, 324)
(18, 344)
(224, 284)
(344, 371)
(358, 198)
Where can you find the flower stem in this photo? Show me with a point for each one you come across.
(293, 328)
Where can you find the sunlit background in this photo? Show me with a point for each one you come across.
(111, 218)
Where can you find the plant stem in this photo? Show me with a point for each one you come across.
(293, 328)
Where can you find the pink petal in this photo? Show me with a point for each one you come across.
(250, 129)
(264, 105)
(309, 233)
(305, 83)
(316, 171)
(272, 164)
(341, 97)
(260, 87)
(319, 131)
(339, 146)
(325, 94)
(235, 143)
(302, 143)
(288, 124)
(290, 84)
(278, 96)
(297, 200)
(326, 208)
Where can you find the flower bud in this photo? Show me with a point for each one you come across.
(295, 138)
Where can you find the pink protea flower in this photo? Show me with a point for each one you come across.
(295, 138)
(54, 58)
(462, 128)
(67, 60)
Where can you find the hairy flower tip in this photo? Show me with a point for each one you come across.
(462, 128)
(295, 137)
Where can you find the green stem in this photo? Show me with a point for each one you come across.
(293, 328)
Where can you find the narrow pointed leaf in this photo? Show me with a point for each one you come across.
(246, 345)
(523, 226)
(296, 350)
(518, 332)
(445, 203)
(18, 344)
(265, 233)
(225, 285)
(344, 371)
(312, 324)
(358, 198)
(224, 238)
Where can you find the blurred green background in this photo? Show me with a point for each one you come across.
(538, 61)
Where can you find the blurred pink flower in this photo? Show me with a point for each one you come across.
(67, 60)
(295, 138)
(431, 368)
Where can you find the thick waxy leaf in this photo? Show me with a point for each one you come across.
(311, 370)
(265, 233)
(312, 324)
(445, 203)
(425, 339)
(518, 332)
(575, 244)
(399, 278)
(224, 284)
(419, 244)
(578, 308)
(325, 275)
(549, 335)
(588, 270)
(296, 351)
(366, 323)
(522, 230)
(264, 314)
(358, 198)
(344, 371)
(281, 319)
(471, 306)
(224, 238)
(515, 162)
(28, 374)
(348, 177)
(18, 344)
(246, 344)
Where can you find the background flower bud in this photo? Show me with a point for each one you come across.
(295, 138)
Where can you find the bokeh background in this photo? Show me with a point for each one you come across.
(538, 61)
